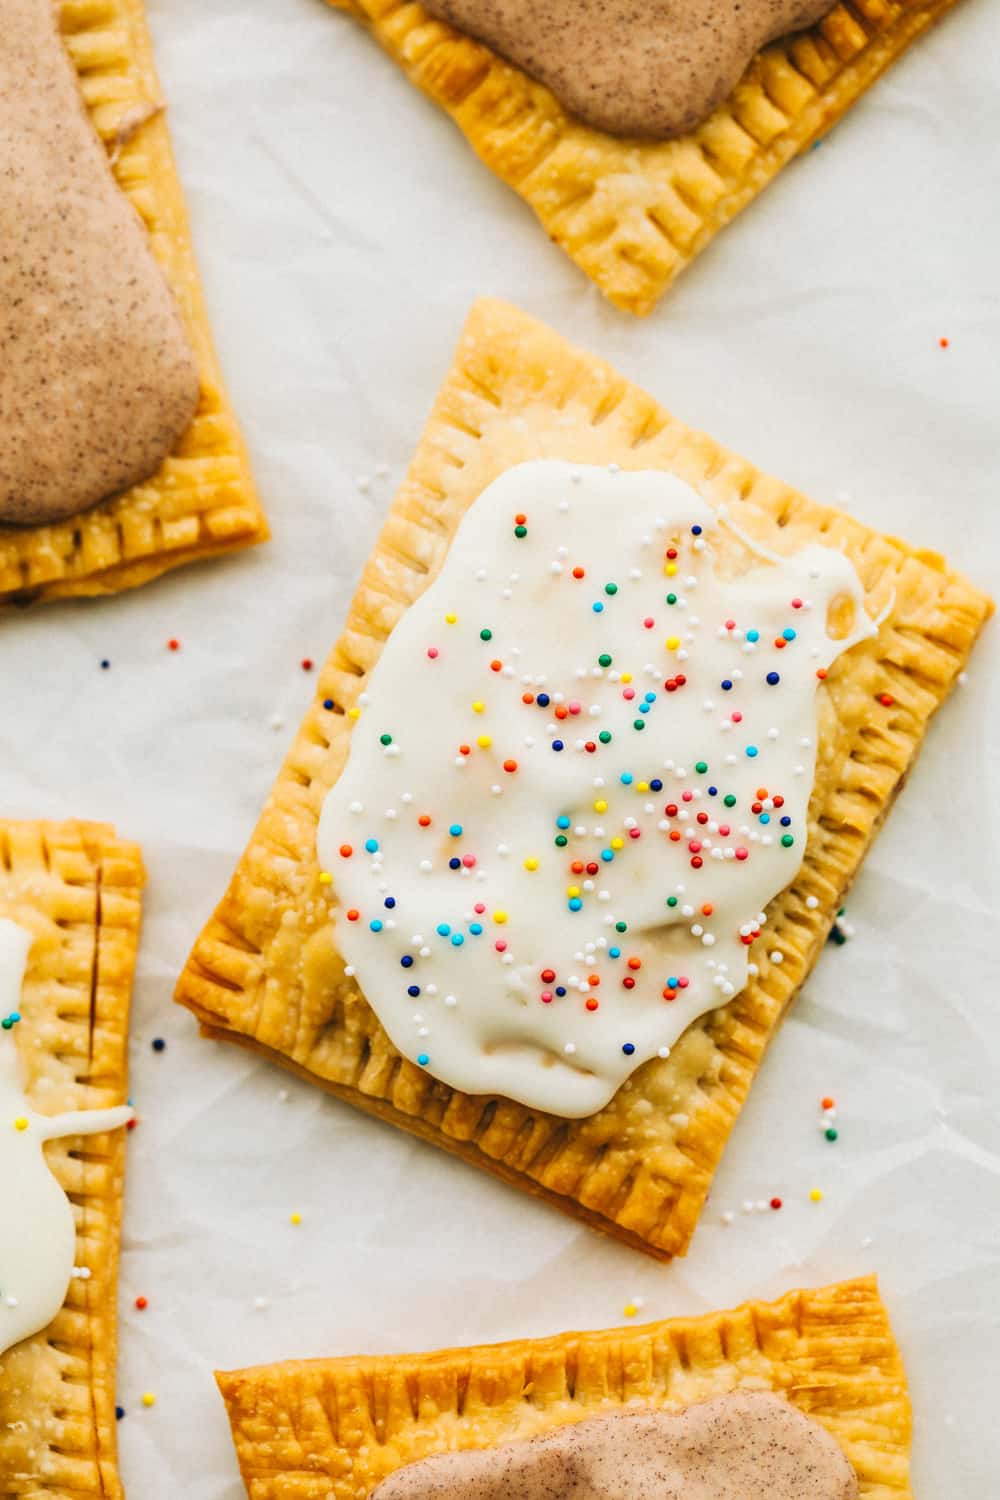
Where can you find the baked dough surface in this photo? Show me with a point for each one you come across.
(266, 970)
(202, 500)
(332, 1429)
(77, 888)
(634, 213)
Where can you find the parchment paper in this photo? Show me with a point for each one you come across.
(343, 229)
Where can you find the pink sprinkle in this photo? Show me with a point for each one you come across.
(742, 853)
(501, 945)
(629, 694)
(649, 622)
(479, 908)
(730, 624)
(546, 997)
(683, 982)
(432, 652)
(574, 707)
(724, 829)
(737, 717)
(468, 860)
(695, 846)
(686, 796)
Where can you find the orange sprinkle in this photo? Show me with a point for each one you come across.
(821, 673)
(424, 820)
(510, 765)
(943, 343)
(141, 1303)
(827, 1103)
(346, 851)
(578, 573)
(886, 700)
(592, 1003)
(707, 909)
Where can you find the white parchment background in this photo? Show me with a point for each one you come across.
(343, 228)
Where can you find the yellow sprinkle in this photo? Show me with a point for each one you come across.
(325, 877)
(572, 890)
(500, 917)
(295, 1218)
(354, 713)
(478, 706)
(816, 1196)
(670, 569)
(484, 742)
(148, 1399)
(617, 843)
(600, 805)
(630, 1309)
(531, 863)
(20, 1123)
(642, 786)
(673, 641)
(450, 618)
(626, 677)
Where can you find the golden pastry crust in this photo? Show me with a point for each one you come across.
(266, 972)
(202, 500)
(332, 1429)
(634, 213)
(77, 888)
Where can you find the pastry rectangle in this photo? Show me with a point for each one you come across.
(202, 500)
(266, 971)
(332, 1429)
(77, 888)
(633, 213)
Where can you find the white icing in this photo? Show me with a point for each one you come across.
(479, 1022)
(37, 1234)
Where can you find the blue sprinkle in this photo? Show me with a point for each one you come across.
(390, 902)
(543, 700)
(607, 855)
(455, 830)
(575, 903)
(159, 1045)
(454, 863)
(656, 785)
(476, 928)
(597, 607)
(627, 778)
(614, 953)
(726, 684)
(423, 1059)
(751, 751)
(753, 635)
(413, 990)
(628, 1048)
(649, 697)
(327, 702)
(560, 990)
(788, 634)
(786, 821)
(562, 821)
(375, 925)
(457, 939)
(765, 817)
(443, 929)
(557, 744)
(672, 982)
(644, 708)
(371, 845)
(105, 664)
(773, 678)
(119, 1413)
(696, 531)
(407, 960)
(713, 791)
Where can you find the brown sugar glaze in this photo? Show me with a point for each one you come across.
(632, 67)
(97, 378)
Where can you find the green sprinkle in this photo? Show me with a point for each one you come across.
(671, 598)
(561, 841)
(611, 588)
(638, 723)
(831, 1134)
(621, 927)
(671, 900)
(605, 736)
(729, 800)
(385, 739)
(604, 659)
(520, 531)
(787, 840)
(701, 766)
(485, 635)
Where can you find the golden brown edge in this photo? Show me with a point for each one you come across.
(89, 857)
(224, 958)
(794, 91)
(353, 1420)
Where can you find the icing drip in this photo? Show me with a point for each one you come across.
(581, 770)
(37, 1240)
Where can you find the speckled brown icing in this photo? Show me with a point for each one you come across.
(632, 67)
(732, 1447)
(97, 379)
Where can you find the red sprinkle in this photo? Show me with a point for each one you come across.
(307, 664)
(353, 914)
(510, 765)
(886, 700)
(775, 1202)
(141, 1303)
